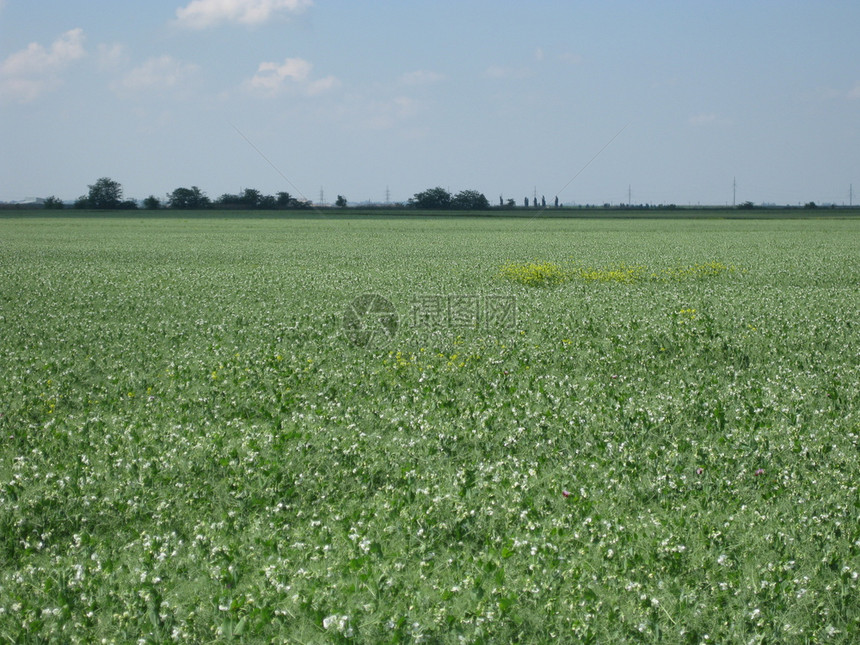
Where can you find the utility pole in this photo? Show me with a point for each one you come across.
(851, 195)
(734, 192)
(629, 193)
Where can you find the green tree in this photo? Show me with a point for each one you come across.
(188, 198)
(251, 197)
(229, 200)
(340, 202)
(105, 193)
(284, 200)
(470, 200)
(433, 198)
(53, 203)
(152, 203)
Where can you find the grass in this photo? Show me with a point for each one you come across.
(194, 451)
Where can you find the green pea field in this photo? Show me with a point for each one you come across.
(374, 429)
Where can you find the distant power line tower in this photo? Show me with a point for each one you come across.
(322, 197)
(734, 191)
(387, 196)
(851, 195)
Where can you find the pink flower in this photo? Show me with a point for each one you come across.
(760, 471)
(699, 470)
(565, 493)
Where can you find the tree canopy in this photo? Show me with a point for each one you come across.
(105, 193)
(468, 200)
(440, 199)
(54, 202)
(251, 198)
(432, 198)
(188, 198)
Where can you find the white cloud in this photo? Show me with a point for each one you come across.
(162, 73)
(322, 85)
(539, 55)
(271, 78)
(35, 59)
(30, 72)
(111, 56)
(201, 14)
(855, 92)
(24, 90)
(421, 77)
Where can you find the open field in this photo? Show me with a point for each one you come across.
(579, 430)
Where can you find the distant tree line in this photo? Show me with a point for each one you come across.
(248, 199)
(107, 194)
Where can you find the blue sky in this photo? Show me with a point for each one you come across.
(502, 97)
